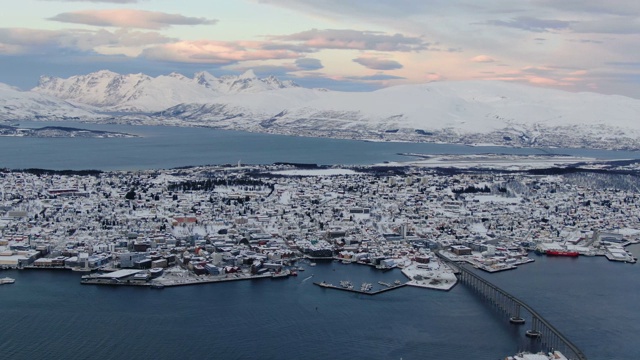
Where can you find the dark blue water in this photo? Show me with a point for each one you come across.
(592, 301)
(167, 147)
(49, 314)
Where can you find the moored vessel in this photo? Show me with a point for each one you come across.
(562, 253)
(7, 280)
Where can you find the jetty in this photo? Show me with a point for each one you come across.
(127, 278)
(358, 291)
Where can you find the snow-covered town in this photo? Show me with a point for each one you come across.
(220, 223)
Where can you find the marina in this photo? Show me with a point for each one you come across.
(128, 278)
(365, 289)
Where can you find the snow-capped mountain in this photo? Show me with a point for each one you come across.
(16, 105)
(142, 93)
(468, 112)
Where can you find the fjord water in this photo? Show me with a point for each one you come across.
(50, 314)
(162, 147)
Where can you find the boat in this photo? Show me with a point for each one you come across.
(532, 333)
(312, 264)
(554, 355)
(279, 275)
(7, 280)
(365, 287)
(562, 253)
(346, 284)
(516, 320)
(157, 286)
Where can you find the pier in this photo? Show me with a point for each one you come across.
(371, 293)
(540, 329)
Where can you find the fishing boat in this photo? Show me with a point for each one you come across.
(7, 280)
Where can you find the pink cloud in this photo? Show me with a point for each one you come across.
(214, 52)
(483, 59)
(129, 18)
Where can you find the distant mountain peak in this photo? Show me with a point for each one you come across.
(142, 93)
(249, 74)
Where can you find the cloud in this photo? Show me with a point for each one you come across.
(625, 64)
(548, 76)
(432, 76)
(376, 77)
(100, 1)
(289, 47)
(586, 41)
(129, 18)
(609, 25)
(302, 64)
(214, 52)
(16, 41)
(483, 59)
(375, 63)
(308, 64)
(355, 40)
(532, 24)
(598, 7)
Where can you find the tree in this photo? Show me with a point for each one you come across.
(131, 195)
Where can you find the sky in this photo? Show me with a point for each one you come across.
(354, 45)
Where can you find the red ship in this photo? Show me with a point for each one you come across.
(562, 253)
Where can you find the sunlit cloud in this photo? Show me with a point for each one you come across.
(129, 18)
(482, 59)
(214, 52)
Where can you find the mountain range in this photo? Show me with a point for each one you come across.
(467, 112)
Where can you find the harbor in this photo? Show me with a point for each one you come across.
(365, 289)
(171, 278)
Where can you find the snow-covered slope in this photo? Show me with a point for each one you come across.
(24, 105)
(469, 112)
(142, 93)
(462, 112)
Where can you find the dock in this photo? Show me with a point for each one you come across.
(371, 293)
(165, 282)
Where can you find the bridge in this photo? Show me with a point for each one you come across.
(540, 329)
